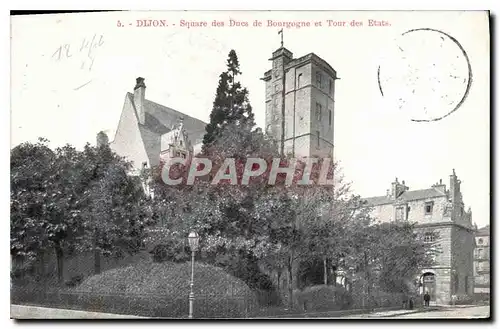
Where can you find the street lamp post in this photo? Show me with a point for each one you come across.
(193, 240)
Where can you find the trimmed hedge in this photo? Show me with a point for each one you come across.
(162, 289)
(322, 298)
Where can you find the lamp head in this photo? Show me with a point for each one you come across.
(193, 239)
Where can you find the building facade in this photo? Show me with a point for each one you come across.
(442, 221)
(148, 132)
(300, 104)
(482, 262)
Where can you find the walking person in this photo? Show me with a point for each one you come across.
(427, 298)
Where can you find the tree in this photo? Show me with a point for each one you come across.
(44, 203)
(386, 255)
(74, 201)
(257, 220)
(231, 104)
(403, 254)
(115, 209)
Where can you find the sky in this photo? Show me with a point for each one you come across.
(70, 74)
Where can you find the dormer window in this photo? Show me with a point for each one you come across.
(144, 165)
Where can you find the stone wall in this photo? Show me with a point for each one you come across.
(302, 94)
(462, 247)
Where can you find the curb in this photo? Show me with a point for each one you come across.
(329, 314)
(412, 312)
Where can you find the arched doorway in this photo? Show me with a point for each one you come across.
(428, 281)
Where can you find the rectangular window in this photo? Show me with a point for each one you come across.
(400, 213)
(331, 87)
(318, 79)
(429, 237)
(466, 282)
(428, 208)
(317, 133)
(330, 117)
(318, 112)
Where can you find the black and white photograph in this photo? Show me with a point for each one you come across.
(250, 165)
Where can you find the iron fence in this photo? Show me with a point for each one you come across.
(148, 305)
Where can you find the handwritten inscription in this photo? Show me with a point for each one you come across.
(79, 56)
(84, 51)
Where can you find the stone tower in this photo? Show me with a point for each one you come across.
(300, 104)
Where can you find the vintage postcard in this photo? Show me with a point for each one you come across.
(250, 165)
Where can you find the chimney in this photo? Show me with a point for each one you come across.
(102, 139)
(397, 188)
(393, 188)
(440, 186)
(139, 96)
(453, 187)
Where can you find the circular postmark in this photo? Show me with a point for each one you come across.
(426, 73)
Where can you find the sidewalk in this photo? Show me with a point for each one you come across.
(391, 313)
(22, 312)
(352, 313)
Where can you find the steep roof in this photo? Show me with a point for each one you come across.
(405, 197)
(484, 231)
(159, 120)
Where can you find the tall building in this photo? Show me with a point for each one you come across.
(482, 262)
(441, 220)
(300, 104)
